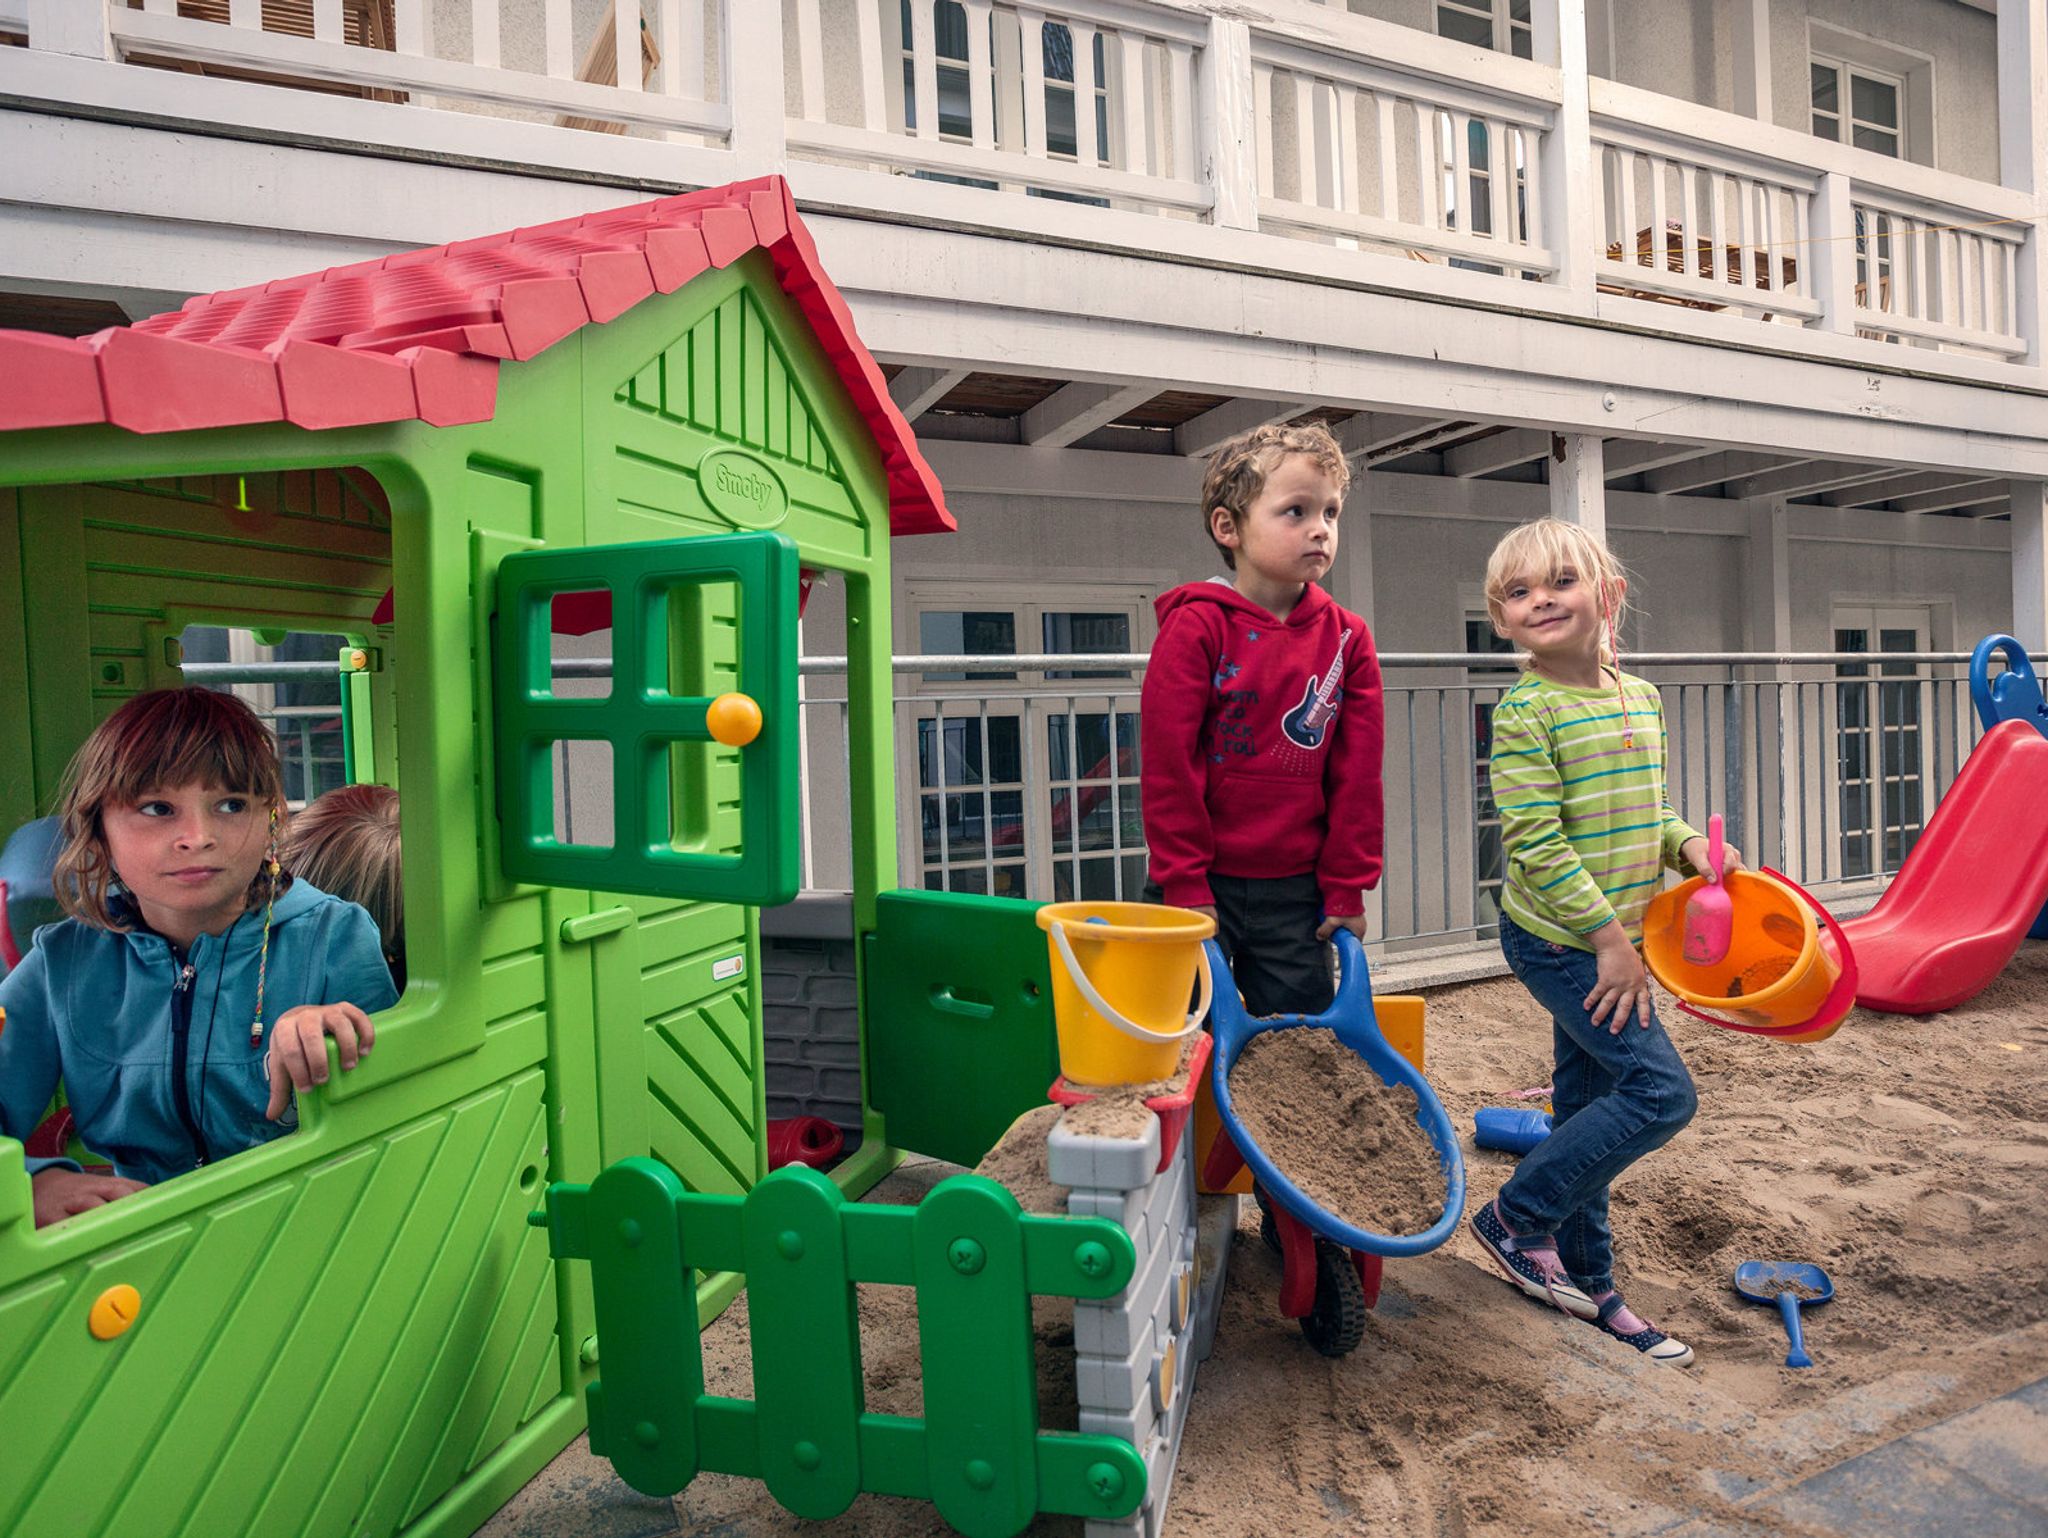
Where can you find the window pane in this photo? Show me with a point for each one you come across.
(1059, 52)
(956, 110)
(1005, 750)
(1082, 633)
(1133, 878)
(1060, 134)
(974, 880)
(1464, 27)
(1876, 139)
(1518, 10)
(1826, 127)
(1874, 101)
(1009, 881)
(974, 633)
(1063, 882)
(1522, 43)
(949, 29)
(1826, 89)
(1062, 822)
(1098, 880)
(1006, 821)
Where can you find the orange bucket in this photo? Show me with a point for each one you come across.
(1787, 974)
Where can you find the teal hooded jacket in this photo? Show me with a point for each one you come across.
(161, 1078)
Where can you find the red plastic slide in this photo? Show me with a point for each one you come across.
(1958, 910)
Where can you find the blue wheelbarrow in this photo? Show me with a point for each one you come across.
(1331, 1269)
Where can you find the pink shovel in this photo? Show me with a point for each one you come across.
(1709, 914)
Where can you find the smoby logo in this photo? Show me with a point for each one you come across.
(742, 490)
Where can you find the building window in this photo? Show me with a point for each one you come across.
(1027, 782)
(1881, 750)
(1502, 25)
(1856, 105)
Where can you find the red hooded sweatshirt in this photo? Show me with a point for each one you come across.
(1260, 744)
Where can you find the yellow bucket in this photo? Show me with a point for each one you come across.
(1121, 976)
(1777, 978)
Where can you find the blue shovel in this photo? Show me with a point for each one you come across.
(1792, 1285)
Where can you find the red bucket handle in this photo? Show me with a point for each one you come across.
(1841, 998)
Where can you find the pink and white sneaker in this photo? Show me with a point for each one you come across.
(1530, 1263)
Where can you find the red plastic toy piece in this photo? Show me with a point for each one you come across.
(808, 1140)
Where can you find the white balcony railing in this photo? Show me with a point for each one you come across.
(1377, 143)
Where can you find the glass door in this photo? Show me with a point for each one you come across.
(1882, 745)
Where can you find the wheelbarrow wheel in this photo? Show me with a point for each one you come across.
(1335, 1324)
(1269, 1230)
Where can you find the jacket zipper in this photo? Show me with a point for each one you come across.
(182, 993)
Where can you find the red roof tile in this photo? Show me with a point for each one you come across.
(419, 336)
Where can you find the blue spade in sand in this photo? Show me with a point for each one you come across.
(1792, 1285)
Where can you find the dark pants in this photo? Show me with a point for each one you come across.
(1615, 1096)
(1267, 928)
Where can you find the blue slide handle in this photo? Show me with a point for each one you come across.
(2015, 695)
(1788, 1305)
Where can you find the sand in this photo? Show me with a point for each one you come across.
(1349, 1142)
(1905, 1156)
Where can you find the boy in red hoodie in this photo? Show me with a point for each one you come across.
(1261, 727)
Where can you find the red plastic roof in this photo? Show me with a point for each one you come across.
(419, 336)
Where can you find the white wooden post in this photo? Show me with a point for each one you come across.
(1566, 180)
(1832, 254)
(1229, 147)
(70, 26)
(2022, 120)
(1578, 480)
(1767, 621)
(753, 71)
(2030, 564)
(1752, 42)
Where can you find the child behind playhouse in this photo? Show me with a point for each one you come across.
(189, 992)
(1578, 775)
(346, 844)
(1262, 726)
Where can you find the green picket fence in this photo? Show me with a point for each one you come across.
(975, 1259)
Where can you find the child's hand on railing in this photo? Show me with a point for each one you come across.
(298, 1052)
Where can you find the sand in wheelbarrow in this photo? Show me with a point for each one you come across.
(1349, 1142)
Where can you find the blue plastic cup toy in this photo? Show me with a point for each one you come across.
(1515, 1130)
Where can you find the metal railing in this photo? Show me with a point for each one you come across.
(1826, 765)
(1019, 774)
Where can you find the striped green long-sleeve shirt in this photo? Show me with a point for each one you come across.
(1586, 821)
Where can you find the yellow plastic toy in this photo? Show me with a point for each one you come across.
(1121, 977)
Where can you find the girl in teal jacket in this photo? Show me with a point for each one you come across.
(192, 989)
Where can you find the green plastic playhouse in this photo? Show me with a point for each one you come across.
(662, 411)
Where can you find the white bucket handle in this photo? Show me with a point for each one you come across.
(1112, 1014)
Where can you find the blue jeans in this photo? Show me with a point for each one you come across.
(1614, 1097)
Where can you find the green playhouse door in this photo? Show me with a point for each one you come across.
(701, 831)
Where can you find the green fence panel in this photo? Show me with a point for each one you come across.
(806, 1344)
(975, 1260)
(980, 1381)
(644, 1416)
(641, 719)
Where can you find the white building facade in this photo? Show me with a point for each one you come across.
(1755, 286)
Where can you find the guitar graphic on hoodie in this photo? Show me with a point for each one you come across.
(1307, 723)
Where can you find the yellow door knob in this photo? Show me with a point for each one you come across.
(733, 719)
(113, 1311)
